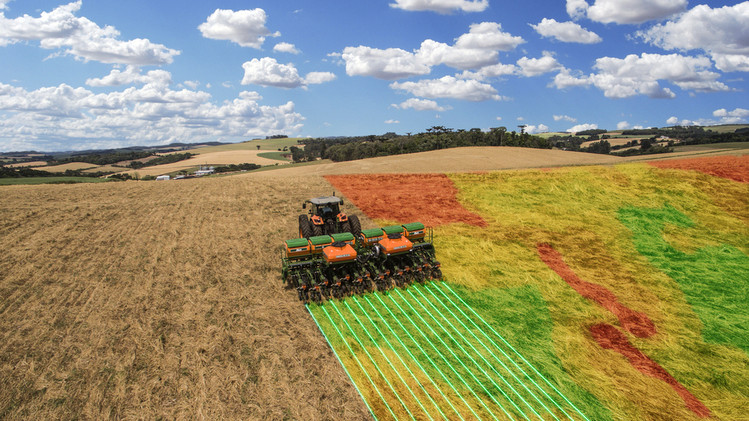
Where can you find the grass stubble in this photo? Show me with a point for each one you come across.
(160, 300)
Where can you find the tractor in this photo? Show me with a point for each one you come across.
(331, 266)
(325, 218)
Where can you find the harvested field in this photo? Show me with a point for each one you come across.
(211, 158)
(160, 300)
(69, 166)
(104, 168)
(614, 141)
(477, 158)
(731, 167)
(251, 145)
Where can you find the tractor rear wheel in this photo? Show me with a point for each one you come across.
(345, 227)
(305, 230)
(316, 230)
(353, 221)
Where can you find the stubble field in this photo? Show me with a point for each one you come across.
(149, 300)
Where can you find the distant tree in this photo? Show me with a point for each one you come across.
(602, 147)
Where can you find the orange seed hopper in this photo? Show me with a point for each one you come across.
(339, 252)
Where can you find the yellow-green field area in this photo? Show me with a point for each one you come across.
(588, 293)
(164, 300)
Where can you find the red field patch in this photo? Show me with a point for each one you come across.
(731, 167)
(634, 322)
(428, 198)
(609, 337)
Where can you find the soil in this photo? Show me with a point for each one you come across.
(609, 337)
(430, 198)
(731, 167)
(149, 300)
(632, 321)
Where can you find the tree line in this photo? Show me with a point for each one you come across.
(7, 172)
(693, 135)
(102, 158)
(436, 137)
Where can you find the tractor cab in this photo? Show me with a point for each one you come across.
(325, 217)
(325, 207)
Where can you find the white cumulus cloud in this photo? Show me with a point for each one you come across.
(674, 121)
(449, 87)
(388, 64)
(82, 38)
(577, 8)
(131, 75)
(533, 129)
(565, 118)
(488, 36)
(285, 47)
(476, 49)
(54, 117)
(722, 32)
(441, 6)
(243, 27)
(640, 75)
(537, 66)
(491, 71)
(566, 31)
(420, 105)
(631, 11)
(737, 115)
(316, 78)
(582, 128)
(267, 71)
(433, 53)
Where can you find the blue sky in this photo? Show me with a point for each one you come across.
(99, 74)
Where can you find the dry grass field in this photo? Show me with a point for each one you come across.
(68, 166)
(475, 158)
(484, 158)
(103, 168)
(210, 158)
(159, 300)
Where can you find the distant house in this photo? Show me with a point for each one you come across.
(204, 171)
(163, 177)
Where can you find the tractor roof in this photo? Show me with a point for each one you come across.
(325, 200)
